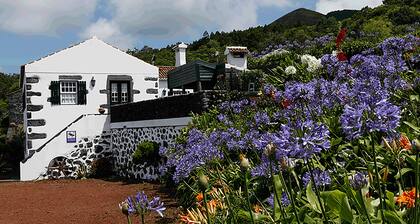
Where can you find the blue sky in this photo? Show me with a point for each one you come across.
(35, 28)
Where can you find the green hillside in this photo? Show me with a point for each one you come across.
(299, 17)
(395, 17)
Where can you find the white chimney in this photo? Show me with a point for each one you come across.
(180, 54)
(236, 57)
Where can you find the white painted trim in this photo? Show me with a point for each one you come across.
(180, 121)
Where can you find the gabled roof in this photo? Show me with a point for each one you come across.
(91, 56)
(236, 49)
(163, 71)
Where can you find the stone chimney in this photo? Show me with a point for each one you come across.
(237, 57)
(180, 54)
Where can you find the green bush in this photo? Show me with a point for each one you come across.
(146, 152)
(101, 168)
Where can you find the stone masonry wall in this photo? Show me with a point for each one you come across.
(125, 141)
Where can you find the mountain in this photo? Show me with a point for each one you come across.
(299, 17)
(342, 14)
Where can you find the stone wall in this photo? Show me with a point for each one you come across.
(86, 151)
(125, 141)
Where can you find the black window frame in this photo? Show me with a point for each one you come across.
(129, 90)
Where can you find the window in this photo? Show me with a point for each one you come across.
(251, 87)
(238, 55)
(120, 92)
(124, 92)
(68, 92)
(114, 92)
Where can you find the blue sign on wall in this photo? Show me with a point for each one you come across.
(71, 136)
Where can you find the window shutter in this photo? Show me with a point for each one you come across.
(81, 92)
(55, 92)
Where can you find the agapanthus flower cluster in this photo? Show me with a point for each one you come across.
(198, 150)
(294, 45)
(141, 205)
(359, 180)
(321, 178)
(284, 200)
(362, 119)
(235, 106)
(312, 62)
(290, 70)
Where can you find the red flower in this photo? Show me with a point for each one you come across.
(340, 37)
(285, 103)
(342, 56)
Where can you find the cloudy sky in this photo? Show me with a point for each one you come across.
(34, 28)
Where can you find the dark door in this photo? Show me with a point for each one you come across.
(120, 92)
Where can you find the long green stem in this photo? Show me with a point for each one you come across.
(247, 197)
(290, 195)
(276, 196)
(142, 217)
(377, 175)
(364, 206)
(206, 206)
(128, 219)
(317, 192)
(227, 199)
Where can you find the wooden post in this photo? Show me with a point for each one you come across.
(199, 86)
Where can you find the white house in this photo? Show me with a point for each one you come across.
(68, 93)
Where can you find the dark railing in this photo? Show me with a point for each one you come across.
(166, 107)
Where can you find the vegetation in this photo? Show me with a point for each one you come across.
(395, 17)
(147, 152)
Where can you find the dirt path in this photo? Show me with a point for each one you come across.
(75, 201)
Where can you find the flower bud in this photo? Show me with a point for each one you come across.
(270, 150)
(124, 208)
(244, 163)
(203, 181)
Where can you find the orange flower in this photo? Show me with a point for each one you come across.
(257, 208)
(199, 197)
(407, 198)
(405, 142)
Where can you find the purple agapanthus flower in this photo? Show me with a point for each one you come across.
(358, 180)
(142, 203)
(284, 200)
(321, 178)
(361, 119)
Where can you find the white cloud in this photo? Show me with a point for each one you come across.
(133, 19)
(109, 32)
(45, 17)
(326, 6)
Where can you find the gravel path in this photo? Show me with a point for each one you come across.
(75, 201)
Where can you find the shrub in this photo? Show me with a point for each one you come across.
(101, 168)
(146, 152)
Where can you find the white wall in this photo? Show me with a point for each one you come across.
(237, 62)
(92, 58)
(88, 126)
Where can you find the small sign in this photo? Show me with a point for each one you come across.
(71, 136)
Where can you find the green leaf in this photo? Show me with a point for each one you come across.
(279, 190)
(392, 217)
(402, 172)
(313, 201)
(414, 127)
(414, 98)
(338, 202)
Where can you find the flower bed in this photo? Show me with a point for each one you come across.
(329, 140)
